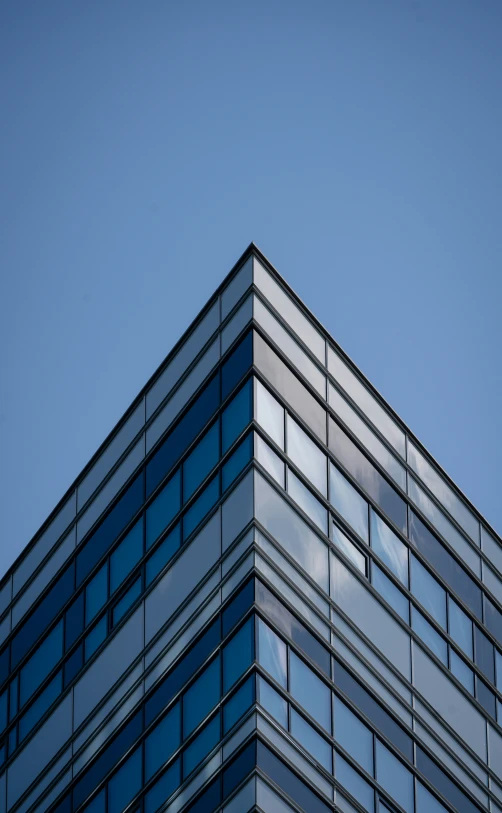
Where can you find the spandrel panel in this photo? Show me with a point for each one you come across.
(289, 347)
(371, 618)
(444, 526)
(289, 387)
(306, 455)
(374, 445)
(185, 355)
(184, 392)
(439, 690)
(111, 454)
(443, 492)
(292, 533)
(284, 305)
(45, 543)
(366, 401)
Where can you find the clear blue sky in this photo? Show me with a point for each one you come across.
(144, 145)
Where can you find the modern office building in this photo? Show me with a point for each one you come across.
(261, 593)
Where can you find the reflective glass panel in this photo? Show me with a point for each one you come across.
(310, 691)
(165, 506)
(311, 740)
(41, 662)
(163, 788)
(429, 636)
(161, 556)
(270, 461)
(238, 703)
(460, 627)
(389, 548)
(236, 415)
(95, 638)
(484, 654)
(163, 741)
(361, 790)
(428, 591)
(306, 454)
(126, 783)
(390, 592)
(426, 802)
(96, 593)
(354, 737)
(392, 775)
(201, 697)
(200, 462)
(272, 653)
(126, 556)
(461, 671)
(127, 600)
(272, 702)
(269, 414)
(238, 654)
(201, 745)
(201, 506)
(236, 462)
(349, 549)
(307, 502)
(348, 502)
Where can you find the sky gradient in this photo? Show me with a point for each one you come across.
(144, 145)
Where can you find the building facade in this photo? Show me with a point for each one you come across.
(261, 593)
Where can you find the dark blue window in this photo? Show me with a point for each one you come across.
(4, 664)
(194, 420)
(201, 745)
(126, 556)
(163, 741)
(95, 638)
(201, 506)
(3, 709)
(207, 801)
(46, 611)
(14, 696)
(74, 620)
(239, 768)
(238, 606)
(127, 600)
(493, 619)
(485, 696)
(237, 364)
(279, 773)
(96, 593)
(126, 783)
(73, 665)
(41, 662)
(40, 706)
(163, 788)
(166, 550)
(237, 415)
(237, 461)
(239, 703)
(443, 783)
(201, 460)
(98, 804)
(201, 697)
(105, 762)
(182, 672)
(238, 654)
(101, 540)
(163, 509)
(484, 654)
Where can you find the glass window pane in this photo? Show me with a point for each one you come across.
(270, 461)
(166, 550)
(389, 548)
(200, 462)
(486, 697)
(239, 361)
(201, 745)
(460, 628)
(354, 783)
(271, 653)
(310, 691)
(163, 509)
(306, 454)
(238, 654)
(125, 784)
(163, 741)
(201, 697)
(96, 593)
(349, 549)
(163, 787)
(269, 414)
(354, 737)
(307, 502)
(73, 665)
(426, 802)
(236, 415)
(390, 592)
(348, 502)
(238, 704)
(41, 662)
(126, 601)
(126, 556)
(95, 638)
(428, 591)
(98, 804)
(40, 706)
(392, 775)
(461, 671)
(429, 636)
(484, 654)
(311, 740)
(201, 506)
(236, 462)
(498, 659)
(272, 702)
(74, 618)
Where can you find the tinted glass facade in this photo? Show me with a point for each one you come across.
(262, 593)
